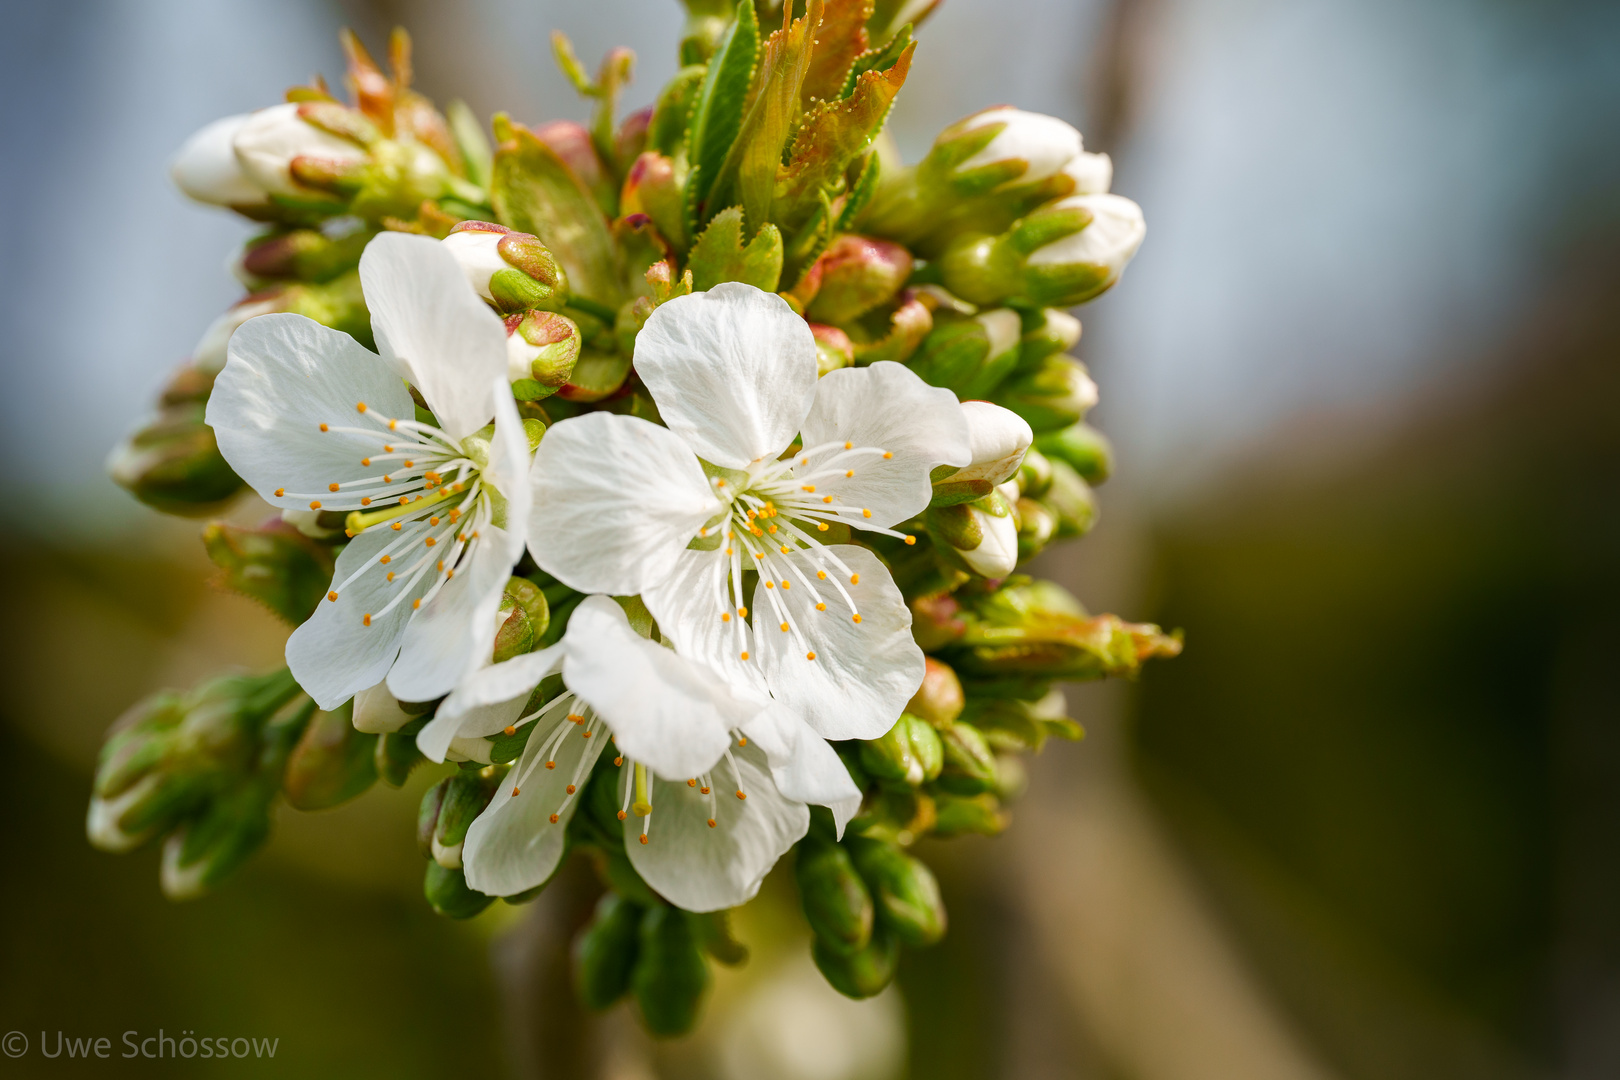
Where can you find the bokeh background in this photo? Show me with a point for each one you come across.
(1364, 380)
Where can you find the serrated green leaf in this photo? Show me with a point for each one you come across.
(717, 112)
(749, 173)
(880, 59)
(720, 255)
(672, 116)
(840, 39)
(276, 565)
(833, 134)
(533, 191)
(860, 194)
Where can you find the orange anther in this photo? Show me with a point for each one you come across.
(856, 616)
(333, 487)
(331, 596)
(809, 656)
(280, 492)
(361, 407)
(510, 730)
(316, 505)
(365, 621)
(325, 428)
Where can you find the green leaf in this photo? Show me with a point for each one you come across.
(840, 39)
(860, 194)
(719, 254)
(672, 117)
(878, 59)
(471, 141)
(533, 191)
(718, 110)
(749, 173)
(833, 134)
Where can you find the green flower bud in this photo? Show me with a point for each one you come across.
(651, 188)
(1053, 395)
(861, 974)
(274, 564)
(1047, 332)
(466, 795)
(970, 767)
(397, 753)
(542, 348)
(521, 620)
(836, 902)
(172, 462)
(427, 816)
(971, 356)
(853, 276)
(1034, 474)
(670, 975)
(1071, 501)
(979, 814)
(1036, 527)
(935, 621)
(910, 753)
(907, 896)
(834, 350)
(1086, 450)
(331, 764)
(939, 699)
(981, 535)
(998, 439)
(204, 851)
(998, 147)
(605, 952)
(300, 255)
(512, 271)
(447, 893)
(1077, 247)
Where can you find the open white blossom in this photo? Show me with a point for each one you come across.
(712, 785)
(681, 514)
(313, 421)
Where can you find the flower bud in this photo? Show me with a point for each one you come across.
(332, 763)
(970, 767)
(861, 974)
(521, 620)
(297, 255)
(907, 896)
(1071, 501)
(447, 893)
(999, 147)
(1093, 174)
(605, 952)
(513, 271)
(939, 699)
(279, 147)
(1055, 394)
(377, 712)
(936, 621)
(834, 350)
(1047, 331)
(275, 564)
(173, 463)
(670, 975)
(979, 814)
(982, 535)
(910, 753)
(1037, 525)
(1075, 265)
(854, 275)
(836, 902)
(542, 348)
(970, 356)
(571, 142)
(1086, 450)
(998, 438)
(204, 851)
(207, 169)
(1035, 474)
(651, 188)
(469, 791)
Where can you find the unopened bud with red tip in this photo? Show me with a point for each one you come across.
(939, 699)
(834, 350)
(542, 348)
(1053, 395)
(300, 255)
(513, 271)
(854, 275)
(572, 143)
(651, 188)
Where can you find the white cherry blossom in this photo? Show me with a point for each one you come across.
(683, 514)
(436, 510)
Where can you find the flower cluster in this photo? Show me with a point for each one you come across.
(664, 480)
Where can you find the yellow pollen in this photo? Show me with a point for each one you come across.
(510, 730)
(703, 531)
(786, 584)
(404, 500)
(621, 815)
(619, 761)
(387, 449)
(866, 513)
(514, 793)
(822, 526)
(551, 764)
(396, 526)
(365, 621)
(785, 548)
(849, 446)
(390, 575)
(575, 718)
(454, 514)
(643, 838)
(280, 492)
(887, 455)
(784, 628)
(316, 505)
(851, 472)
(854, 579)
(740, 795)
(587, 735)
(728, 551)
(431, 541)
(554, 819)
(826, 498)
(809, 656)
(571, 789)
(759, 554)
(409, 464)
(387, 479)
(856, 616)
(386, 559)
(711, 823)
(821, 607)
(365, 500)
(742, 740)
(691, 783)
(333, 487)
(745, 656)
(809, 487)
(822, 574)
(325, 428)
(416, 603)
(441, 566)
(770, 529)
(804, 461)
(910, 540)
(433, 520)
(361, 407)
(703, 791)
(770, 584)
(725, 616)
(393, 425)
(719, 483)
(742, 613)
(365, 461)
(331, 596)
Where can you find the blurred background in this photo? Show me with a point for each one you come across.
(1364, 380)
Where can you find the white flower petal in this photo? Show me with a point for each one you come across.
(863, 673)
(888, 407)
(377, 712)
(667, 712)
(334, 655)
(455, 631)
(286, 376)
(802, 763)
(616, 500)
(703, 869)
(688, 605)
(844, 811)
(428, 320)
(509, 466)
(498, 684)
(997, 553)
(732, 371)
(514, 845)
(207, 170)
(997, 440)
